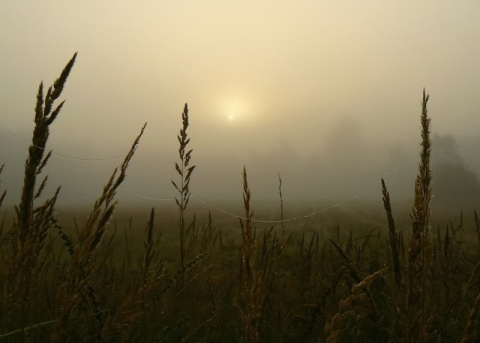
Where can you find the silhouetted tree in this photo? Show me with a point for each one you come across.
(453, 182)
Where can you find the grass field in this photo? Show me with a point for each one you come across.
(369, 273)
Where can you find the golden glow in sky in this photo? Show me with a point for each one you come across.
(258, 76)
(297, 67)
(236, 110)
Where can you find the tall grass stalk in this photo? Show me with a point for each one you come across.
(30, 227)
(44, 117)
(185, 172)
(419, 255)
(282, 216)
(249, 313)
(254, 281)
(392, 236)
(83, 263)
(4, 194)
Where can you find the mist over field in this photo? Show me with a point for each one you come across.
(336, 174)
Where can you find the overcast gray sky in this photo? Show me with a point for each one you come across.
(326, 92)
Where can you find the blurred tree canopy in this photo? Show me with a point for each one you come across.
(454, 183)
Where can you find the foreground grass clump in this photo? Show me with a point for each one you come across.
(100, 279)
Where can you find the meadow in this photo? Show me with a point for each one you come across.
(176, 274)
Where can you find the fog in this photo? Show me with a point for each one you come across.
(326, 93)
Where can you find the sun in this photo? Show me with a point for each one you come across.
(233, 109)
(232, 113)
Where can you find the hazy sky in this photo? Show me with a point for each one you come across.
(313, 89)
